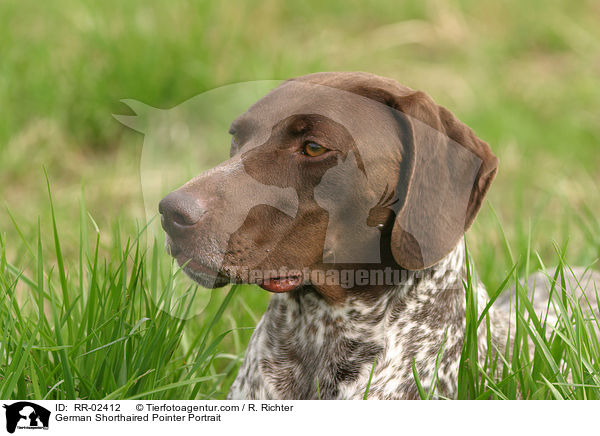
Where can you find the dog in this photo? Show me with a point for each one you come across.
(347, 195)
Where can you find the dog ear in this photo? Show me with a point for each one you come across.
(445, 171)
(446, 174)
(453, 171)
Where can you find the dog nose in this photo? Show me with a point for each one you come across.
(179, 210)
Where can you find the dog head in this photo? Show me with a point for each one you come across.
(330, 171)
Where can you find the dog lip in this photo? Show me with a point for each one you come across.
(189, 263)
(281, 284)
(193, 267)
(173, 250)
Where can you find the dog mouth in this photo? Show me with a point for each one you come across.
(211, 278)
(215, 279)
(200, 273)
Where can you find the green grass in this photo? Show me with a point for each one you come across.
(115, 328)
(76, 278)
(544, 360)
(100, 330)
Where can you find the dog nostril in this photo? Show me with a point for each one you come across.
(179, 209)
(182, 220)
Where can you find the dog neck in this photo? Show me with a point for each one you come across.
(303, 340)
(392, 284)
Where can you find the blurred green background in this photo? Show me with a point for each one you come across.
(524, 75)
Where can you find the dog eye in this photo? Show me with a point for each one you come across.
(313, 149)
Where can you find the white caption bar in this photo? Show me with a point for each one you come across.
(283, 418)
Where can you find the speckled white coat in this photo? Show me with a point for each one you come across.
(303, 342)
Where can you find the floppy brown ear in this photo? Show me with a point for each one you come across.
(445, 172)
(452, 172)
